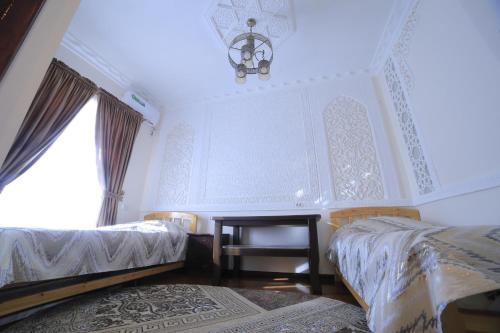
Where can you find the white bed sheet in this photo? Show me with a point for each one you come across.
(407, 271)
(33, 254)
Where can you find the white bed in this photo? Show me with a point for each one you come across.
(405, 272)
(30, 255)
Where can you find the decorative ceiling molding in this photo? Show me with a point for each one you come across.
(86, 53)
(273, 86)
(75, 45)
(92, 57)
(275, 19)
(401, 10)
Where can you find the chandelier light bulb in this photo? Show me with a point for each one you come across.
(241, 71)
(263, 67)
(247, 50)
(246, 53)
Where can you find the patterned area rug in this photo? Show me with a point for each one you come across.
(195, 308)
(165, 308)
(320, 315)
(273, 299)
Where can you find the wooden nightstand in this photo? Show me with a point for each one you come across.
(199, 257)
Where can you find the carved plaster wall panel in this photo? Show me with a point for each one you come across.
(354, 164)
(405, 119)
(260, 151)
(275, 18)
(175, 171)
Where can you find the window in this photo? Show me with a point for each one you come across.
(62, 189)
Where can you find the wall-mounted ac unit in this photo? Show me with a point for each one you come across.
(139, 104)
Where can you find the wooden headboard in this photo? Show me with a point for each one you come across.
(183, 218)
(343, 216)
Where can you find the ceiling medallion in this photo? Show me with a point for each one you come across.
(251, 58)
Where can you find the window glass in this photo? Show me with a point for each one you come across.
(61, 190)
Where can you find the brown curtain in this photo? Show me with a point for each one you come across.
(117, 126)
(62, 93)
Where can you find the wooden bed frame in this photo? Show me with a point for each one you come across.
(54, 293)
(347, 216)
(451, 319)
(183, 218)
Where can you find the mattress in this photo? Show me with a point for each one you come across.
(407, 271)
(32, 254)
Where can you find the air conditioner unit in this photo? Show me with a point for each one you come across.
(139, 104)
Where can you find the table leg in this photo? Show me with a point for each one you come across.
(217, 252)
(314, 257)
(236, 259)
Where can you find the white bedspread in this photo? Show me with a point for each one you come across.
(408, 271)
(29, 254)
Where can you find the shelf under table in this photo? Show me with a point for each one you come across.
(270, 251)
(236, 250)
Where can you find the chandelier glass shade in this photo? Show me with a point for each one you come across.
(251, 53)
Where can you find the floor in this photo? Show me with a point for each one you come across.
(275, 282)
(474, 323)
(296, 284)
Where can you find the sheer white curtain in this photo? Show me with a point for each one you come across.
(61, 190)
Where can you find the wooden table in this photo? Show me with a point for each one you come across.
(237, 249)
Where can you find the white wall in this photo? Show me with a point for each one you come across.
(133, 185)
(266, 153)
(476, 208)
(448, 65)
(22, 79)
(224, 157)
(456, 99)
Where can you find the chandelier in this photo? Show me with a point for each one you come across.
(252, 59)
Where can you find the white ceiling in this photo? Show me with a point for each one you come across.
(172, 50)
